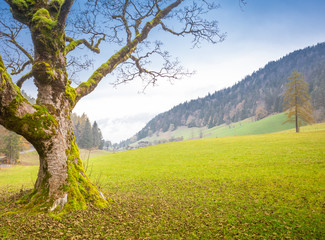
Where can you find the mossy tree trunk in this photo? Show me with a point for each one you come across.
(62, 180)
(47, 125)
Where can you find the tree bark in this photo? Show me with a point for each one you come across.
(296, 108)
(61, 176)
(62, 181)
(297, 122)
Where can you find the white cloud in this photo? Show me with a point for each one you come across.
(260, 33)
(123, 111)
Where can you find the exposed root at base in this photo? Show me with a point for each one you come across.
(59, 202)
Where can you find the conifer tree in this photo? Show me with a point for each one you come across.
(97, 135)
(123, 26)
(12, 144)
(297, 101)
(86, 140)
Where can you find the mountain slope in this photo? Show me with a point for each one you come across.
(249, 126)
(259, 94)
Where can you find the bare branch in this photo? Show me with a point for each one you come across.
(24, 78)
(75, 43)
(12, 57)
(65, 9)
(22, 49)
(123, 18)
(195, 25)
(127, 29)
(123, 54)
(78, 64)
(157, 19)
(15, 53)
(139, 19)
(11, 35)
(22, 68)
(138, 68)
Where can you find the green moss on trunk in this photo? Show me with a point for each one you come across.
(46, 125)
(79, 187)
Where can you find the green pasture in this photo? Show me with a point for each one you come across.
(268, 186)
(309, 128)
(25, 174)
(271, 124)
(249, 126)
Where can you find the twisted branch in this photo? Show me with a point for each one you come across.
(138, 68)
(123, 54)
(24, 78)
(22, 68)
(75, 43)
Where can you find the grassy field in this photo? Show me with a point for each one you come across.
(270, 124)
(25, 174)
(309, 128)
(252, 187)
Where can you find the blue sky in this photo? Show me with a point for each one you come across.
(260, 32)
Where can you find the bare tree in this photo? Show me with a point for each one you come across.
(62, 181)
(297, 101)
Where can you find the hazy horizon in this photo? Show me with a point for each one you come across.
(257, 33)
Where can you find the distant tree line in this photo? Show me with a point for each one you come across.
(87, 135)
(10, 146)
(257, 95)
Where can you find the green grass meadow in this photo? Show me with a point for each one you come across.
(269, 186)
(249, 126)
(271, 124)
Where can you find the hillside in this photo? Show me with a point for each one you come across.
(270, 124)
(259, 94)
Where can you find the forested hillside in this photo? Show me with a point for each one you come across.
(259, 94)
